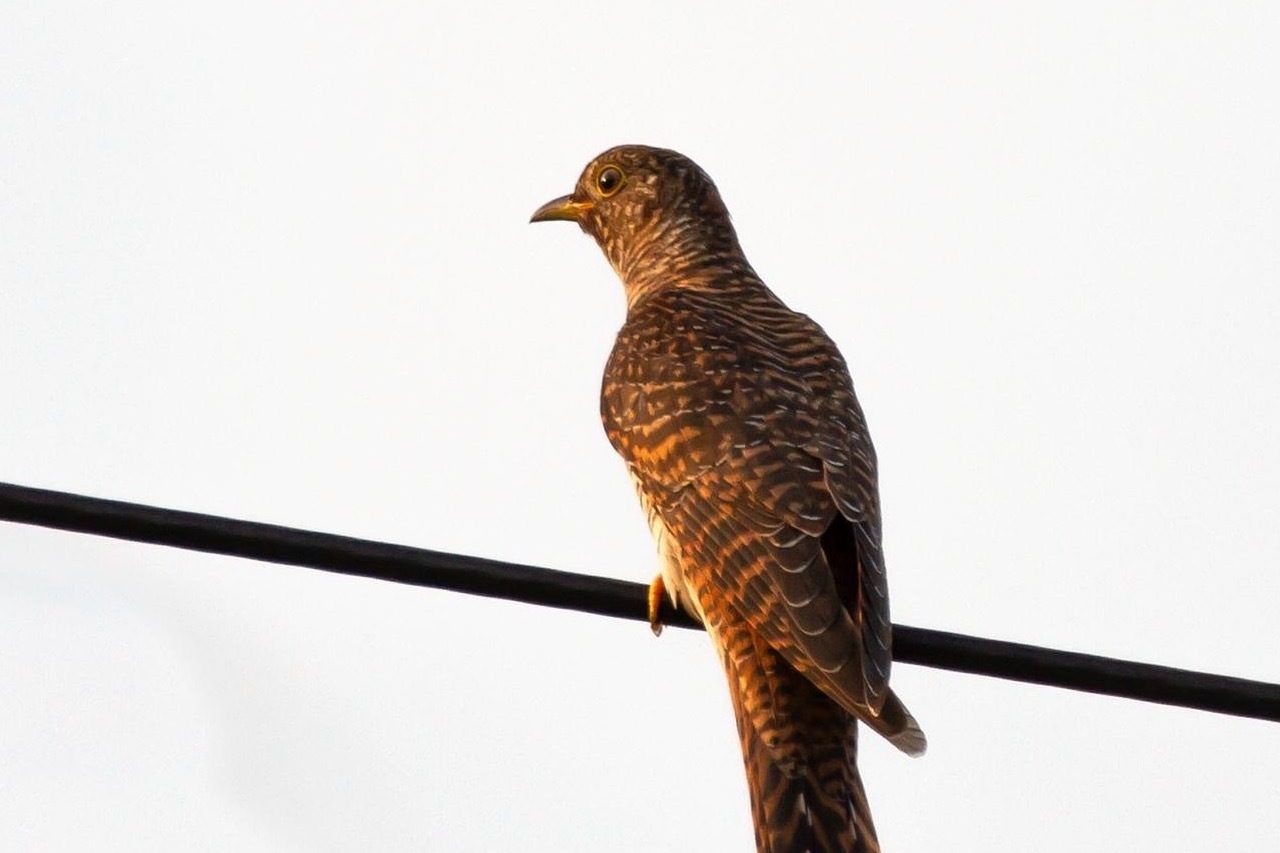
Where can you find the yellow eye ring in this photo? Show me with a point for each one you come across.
(610, 180)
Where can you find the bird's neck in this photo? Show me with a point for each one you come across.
(678, 253)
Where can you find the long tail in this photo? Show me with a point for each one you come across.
(800, 752)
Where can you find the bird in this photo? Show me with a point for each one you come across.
(737, 420)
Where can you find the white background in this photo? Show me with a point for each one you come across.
(271, 261)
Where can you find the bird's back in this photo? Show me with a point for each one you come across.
(720, 394)
(724, 403)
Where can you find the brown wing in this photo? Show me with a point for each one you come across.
(738, 419)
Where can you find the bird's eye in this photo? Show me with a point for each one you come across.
(609, 180)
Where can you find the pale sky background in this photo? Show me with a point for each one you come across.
(271, 260)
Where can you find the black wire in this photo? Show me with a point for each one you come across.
(607, 597)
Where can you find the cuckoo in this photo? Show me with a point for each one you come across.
(738, 423)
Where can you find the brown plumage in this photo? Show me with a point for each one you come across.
(738, 423)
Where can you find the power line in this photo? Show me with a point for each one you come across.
(604, 596)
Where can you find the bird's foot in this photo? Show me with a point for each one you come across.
(657, 590)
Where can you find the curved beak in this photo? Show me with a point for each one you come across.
(564, 208)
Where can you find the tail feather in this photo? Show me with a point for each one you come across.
(800, 752)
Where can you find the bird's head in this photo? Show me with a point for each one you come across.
(654, 212)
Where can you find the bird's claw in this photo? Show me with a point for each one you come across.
(656, 592)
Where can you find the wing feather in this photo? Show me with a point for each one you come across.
(742, 428)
